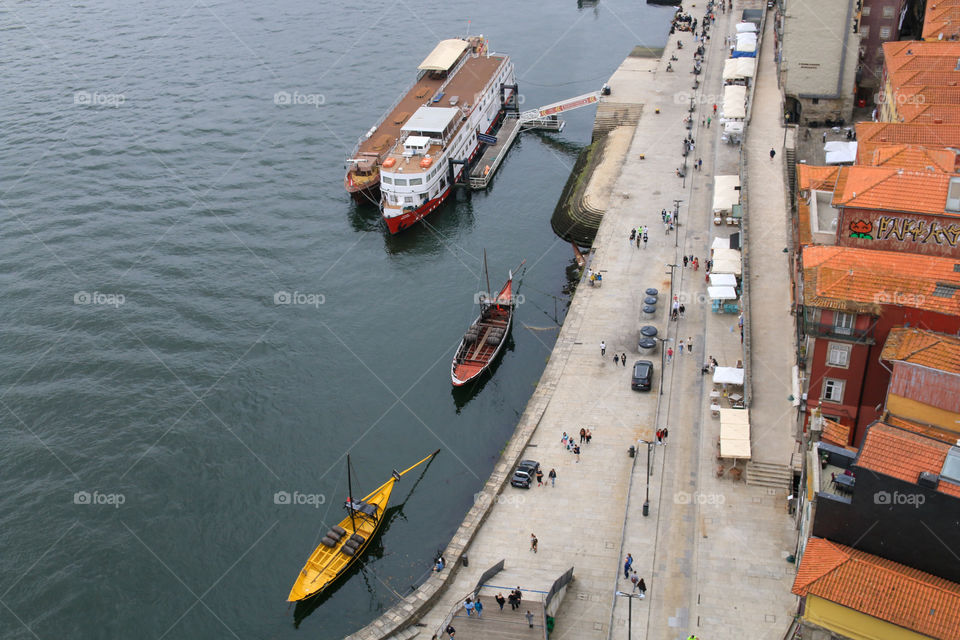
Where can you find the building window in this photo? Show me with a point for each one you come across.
(865, 11)
(400, 182)
(865, 31)
(832, 390)
(416, 181)
(815, 100)
(884, 33)
(843, 323)
(838, 355)
(888, 11)
(386, 179)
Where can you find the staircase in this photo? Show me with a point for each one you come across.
(790, 151)
(611, 115)
(765, 474)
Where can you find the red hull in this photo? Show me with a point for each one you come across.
(470, 362)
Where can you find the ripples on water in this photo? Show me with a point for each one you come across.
(143, 156)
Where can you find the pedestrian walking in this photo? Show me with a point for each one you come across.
(638, 241)
(700, 163)
(689, 345)
(772, 154)
(627, 563)
(669, 354)
(641, 587)
(468, 605)
(500, 600)
(616, 359)
(666, 432)
(683, 309)
(603, 348)
(512, 598)
(680, 352)
(539, 477)
(663, 215)
(709, 118)
(478, 607)
(589, 435)
(659, 435)
(576, 451)
(714, 107)
(529, 617)
(583, 434)
(450, 631)
(623, 359)
(644, 239)
(824, 137)
(519, 596)
(634, 579)
(696, 264)
(533, 543)
(685, 260)
(564, 438)
(553, 477)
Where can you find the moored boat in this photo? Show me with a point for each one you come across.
(484, 340)
(347, 541)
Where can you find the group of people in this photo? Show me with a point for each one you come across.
(709, 365)
(630, 573)
(573, 447)
(594, 278)
(639, 234)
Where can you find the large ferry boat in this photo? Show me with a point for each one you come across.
(462, 93)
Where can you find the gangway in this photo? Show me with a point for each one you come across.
(544, 117)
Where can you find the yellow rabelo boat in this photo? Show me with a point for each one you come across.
(347, 541)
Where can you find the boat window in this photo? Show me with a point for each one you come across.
(409, 199)
(387, 179)
(414, 181)
(402, 182)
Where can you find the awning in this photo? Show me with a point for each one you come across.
(720, 243)
(726, 261)
(735, 433)
(738, 68)
(723, 280)
(726, 193)
(444, 55)
(743, 27)
(431, 119)
(728, 375)
(722, 293)
(734, 102)
(839, 152)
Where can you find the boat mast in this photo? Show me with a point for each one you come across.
(350, 496)
(487, 273)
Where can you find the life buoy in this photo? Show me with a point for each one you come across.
(425, 163)
(389, 162)
(486, 170)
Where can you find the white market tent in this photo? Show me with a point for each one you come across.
(734, 102)
(726, 193)
(746, 27)
(746, 38)
(720, 243)
(726, 261)
(746, 48)
(735, 433)
(739, 68)
(444, 55)
(840, 152)
(723, 280)
(722, 293)
(728, 375)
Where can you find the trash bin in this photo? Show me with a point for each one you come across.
(632, 451)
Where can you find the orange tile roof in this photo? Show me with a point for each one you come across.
(929, 113)
(925, 348)
(943, 435)
(911, 54)
(893, 189)
(927, 94)
(913, 157)
(867, 151)
(835, 433)
(941, 135)
(942, 17)
(904, 454)
(813, 177)
(926, 74)
(880, 588)
(861, 280)
(804, 234)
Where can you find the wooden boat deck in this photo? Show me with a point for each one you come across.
(467, 84)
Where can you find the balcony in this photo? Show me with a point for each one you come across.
(835, 332)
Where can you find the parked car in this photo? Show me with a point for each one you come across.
(525, 474)
(642, 375)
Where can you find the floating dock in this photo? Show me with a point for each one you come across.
(489, 161)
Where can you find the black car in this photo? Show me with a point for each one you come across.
(525, 474)
(642, 375)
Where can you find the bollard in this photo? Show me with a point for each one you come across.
(632, 451)
(646, 507)
(465, 560)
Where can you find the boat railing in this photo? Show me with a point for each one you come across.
(457, 605)
(389, 110)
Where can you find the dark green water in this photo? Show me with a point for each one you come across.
(143, 156)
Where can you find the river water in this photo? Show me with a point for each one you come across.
(155, 402)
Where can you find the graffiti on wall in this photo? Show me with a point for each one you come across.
(906, 230)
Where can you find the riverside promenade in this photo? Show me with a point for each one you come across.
(712, 550)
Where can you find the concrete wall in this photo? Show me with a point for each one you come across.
(871, 74)
(819, 57)
(853, 624)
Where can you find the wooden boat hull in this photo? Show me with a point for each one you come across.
(465, 375)
(472, 359)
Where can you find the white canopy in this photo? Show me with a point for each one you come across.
(444, 55)
(722, 293)
(840, 152)
(734, 102)
(726, 193)
(723, 280)
(739, 68)
(746, 27)
(728, 375)
(720, 243)
(745, 39)
(746, 46)
(726, 261)
(431, 119)
(735, 433)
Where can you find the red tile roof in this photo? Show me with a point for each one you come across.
(925, 348)
(927, 94)
(893, 189)
(863, 280)
(813, 177)
(911, 54)
(912, 157)
(943, 135)
(929, 113)
(942, 17)
(880, 588)
(904, 454)
(937, 433)
(835, 433)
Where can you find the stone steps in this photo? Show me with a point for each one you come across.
(611, 115)
(766, 474)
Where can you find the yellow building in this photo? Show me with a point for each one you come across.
(865, 597)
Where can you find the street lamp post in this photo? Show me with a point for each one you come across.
(676, 220)
(663, 354)
(672, 267)
(646, 501)
(630, 596)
